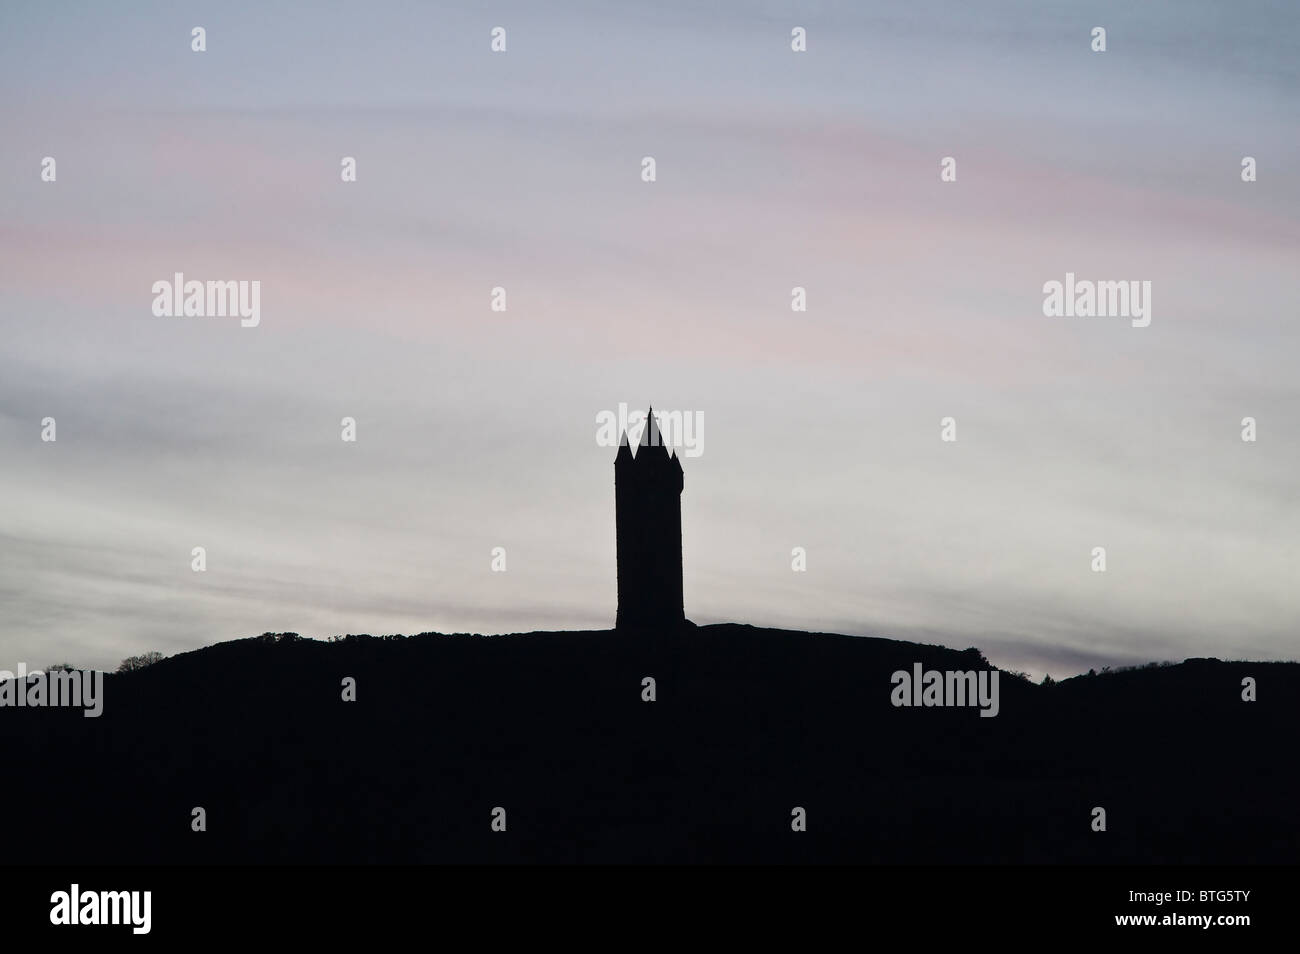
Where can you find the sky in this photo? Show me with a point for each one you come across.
(522, 169)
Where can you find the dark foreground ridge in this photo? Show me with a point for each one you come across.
(748, 724)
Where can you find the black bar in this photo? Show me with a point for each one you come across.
(333, 904)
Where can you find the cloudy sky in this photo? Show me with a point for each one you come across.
(477, 429)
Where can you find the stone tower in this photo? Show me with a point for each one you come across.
(648, 510)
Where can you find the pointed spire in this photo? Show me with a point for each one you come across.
(646, 431)
(652, 439)
(624, 451)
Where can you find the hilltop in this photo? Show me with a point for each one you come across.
(747, 724)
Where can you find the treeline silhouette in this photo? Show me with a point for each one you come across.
(748, 724)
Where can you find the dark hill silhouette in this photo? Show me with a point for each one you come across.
(748, 724)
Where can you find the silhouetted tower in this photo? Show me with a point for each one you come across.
(648, 510)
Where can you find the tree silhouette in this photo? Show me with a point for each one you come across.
(133, 663)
